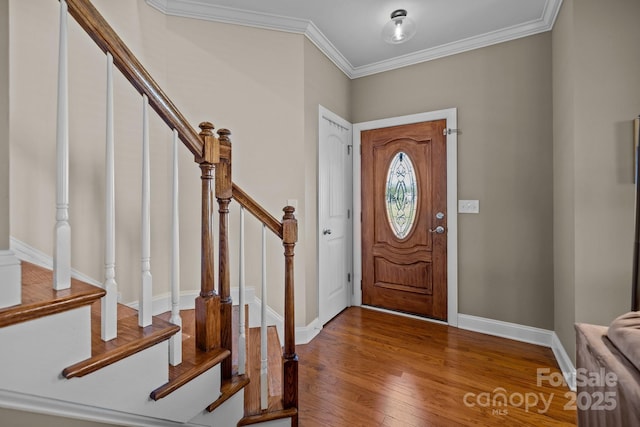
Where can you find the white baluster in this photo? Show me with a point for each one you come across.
(144, 307)
(242, 336)
(109, 302)
(264, 362)
(62, 251)
(175, 342)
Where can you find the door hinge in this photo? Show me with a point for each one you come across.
(361, 150)
(349, 149)
(449, 131)
(360, 284)
(348, 213)
(360, 216)
(348, 277)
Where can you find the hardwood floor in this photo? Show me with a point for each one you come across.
(368, 368)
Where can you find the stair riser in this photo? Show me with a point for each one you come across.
(123, 386)
(10, 274)
(228, 414)
(43, 347)
(40, 348)
(190, 399)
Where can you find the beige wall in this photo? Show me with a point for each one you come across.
(564, 177)
(503, 96)
(594, 137)
(4, 125)
(248, 80)
(326, 85)
(34, 46)
(606, 101)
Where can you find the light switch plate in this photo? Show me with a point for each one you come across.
(468, 206)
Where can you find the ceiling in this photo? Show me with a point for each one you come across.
(349, 31)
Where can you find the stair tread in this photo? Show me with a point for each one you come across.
(268, 416)
(194, 360)
(252, 391)
(237, 382)
(131, 339)
(39, 299)
(228, 389)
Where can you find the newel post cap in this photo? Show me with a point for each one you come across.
(289, 225)
(211, 149)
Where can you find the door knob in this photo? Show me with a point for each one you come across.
(439, 230)
(326, 231)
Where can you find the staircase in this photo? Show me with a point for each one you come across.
(69, 348)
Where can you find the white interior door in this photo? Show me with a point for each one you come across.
(334, 215)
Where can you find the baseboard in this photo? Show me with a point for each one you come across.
(499, 328)
(58, 408)
(162, 303)
(304, 334)
(10, 279)
(30, 254)
(528, 334)
(564, 361)
(273, 318)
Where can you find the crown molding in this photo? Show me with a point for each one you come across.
(209, 12)
(227, 15)
(318, 38)
(471, 43)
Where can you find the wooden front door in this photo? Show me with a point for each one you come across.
(404, 218)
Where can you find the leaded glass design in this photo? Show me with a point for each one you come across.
(401, 195)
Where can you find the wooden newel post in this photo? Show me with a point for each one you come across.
(208, 302)
(289, 356)
(223, 194)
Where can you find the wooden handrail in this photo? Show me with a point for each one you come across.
(256, 210)
(106, 38)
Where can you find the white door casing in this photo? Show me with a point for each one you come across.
(334, 215)
(452, 204)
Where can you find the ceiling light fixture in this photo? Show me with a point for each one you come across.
(400, 29)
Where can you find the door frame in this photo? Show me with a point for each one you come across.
(326, 114)
(451, 115)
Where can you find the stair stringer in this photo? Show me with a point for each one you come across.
(40, 349)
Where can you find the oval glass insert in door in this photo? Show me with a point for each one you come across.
(401, 194)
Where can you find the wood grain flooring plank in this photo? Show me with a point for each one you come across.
(377, 369)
